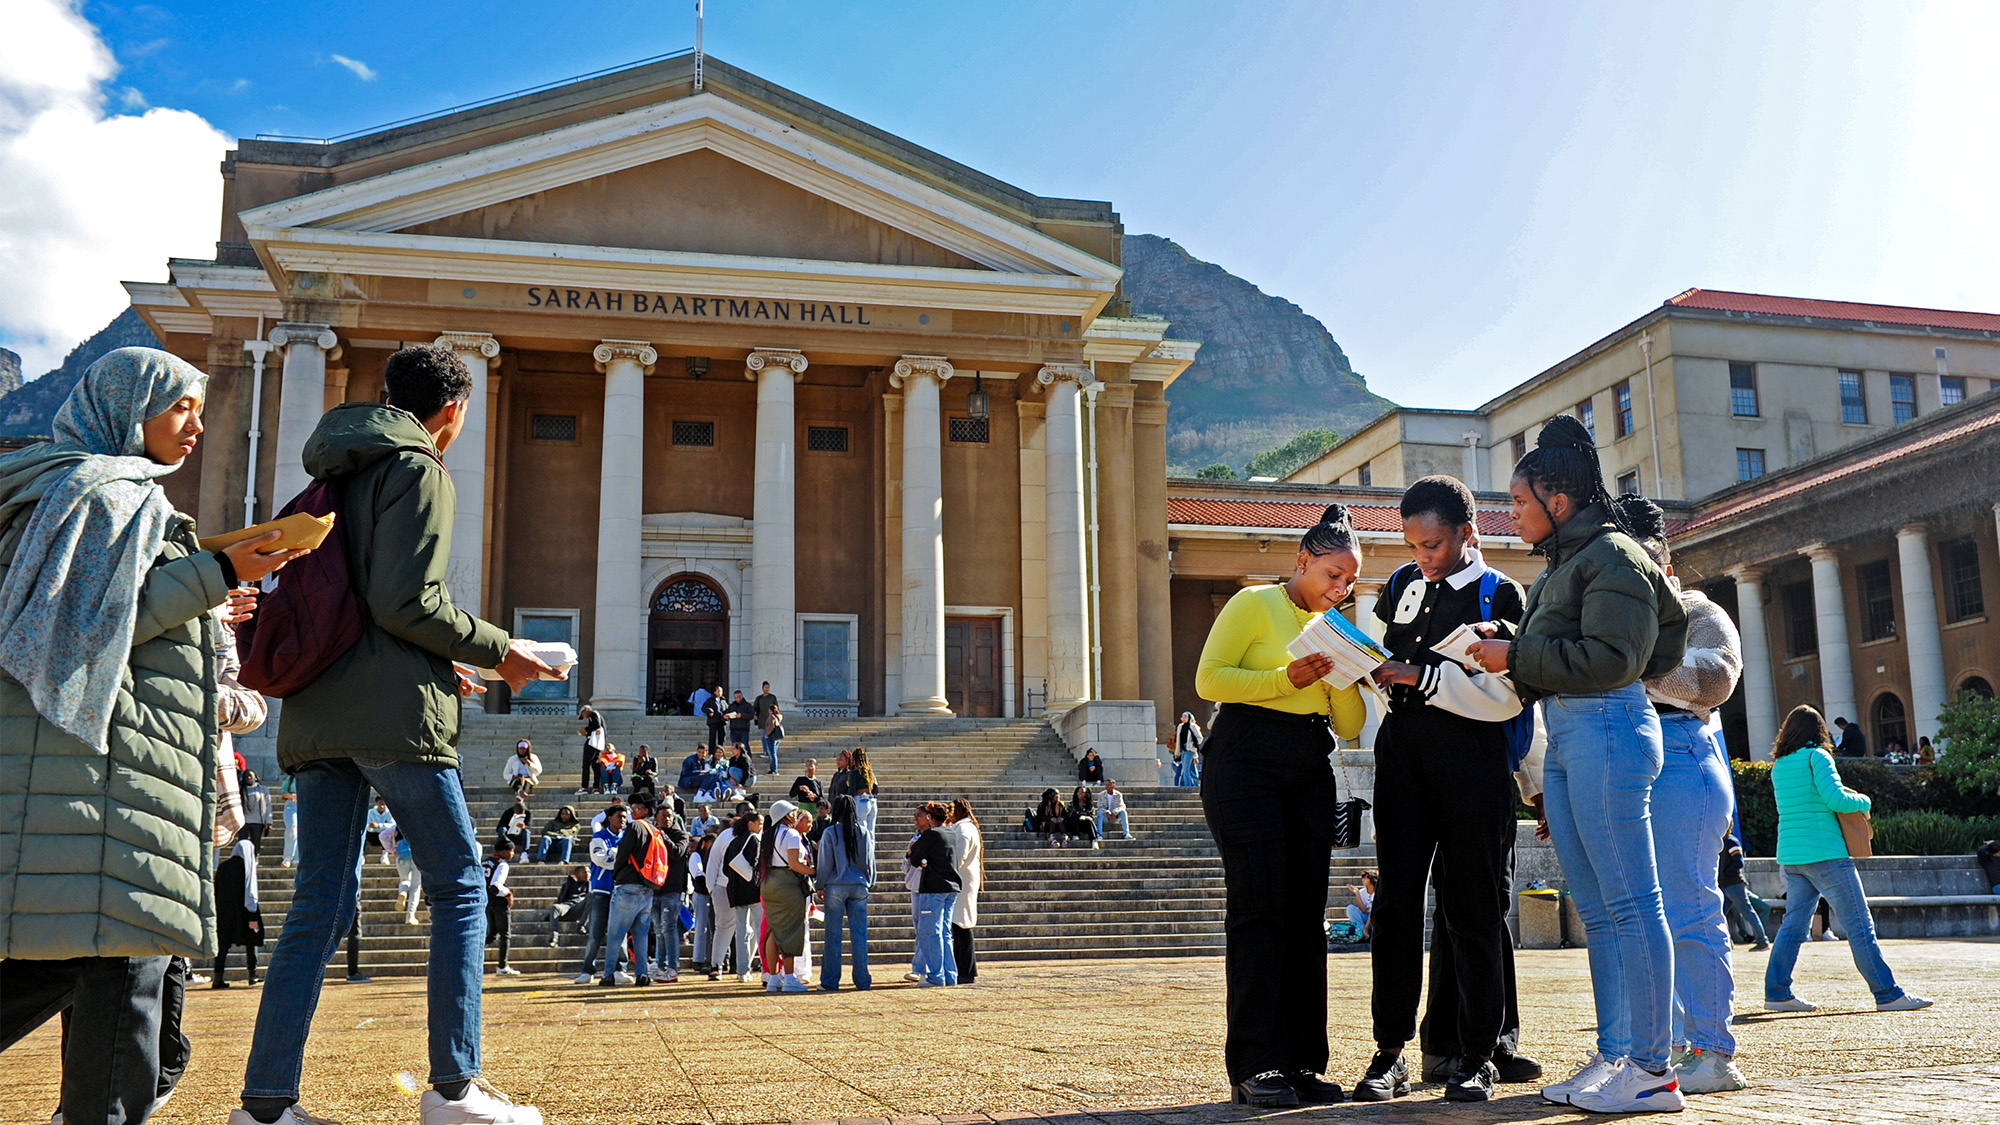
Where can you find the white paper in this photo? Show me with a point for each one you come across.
(555, 654)
(1454, 646)
(1354, 653)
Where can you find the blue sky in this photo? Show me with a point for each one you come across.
(1463, 193)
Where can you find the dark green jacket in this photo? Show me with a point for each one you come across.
(1602, 615)
(393, 696)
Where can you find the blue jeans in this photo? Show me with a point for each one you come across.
(1736, 901)
(333, 804)
(1124, 823)
(846, 906)
(667, 931)
(631, 916)
(557, 846)
(1694, 802)
(704, 930)
(1604, 755)
(771, 751)
(593, 944)
(934, 956)
(1840, 883)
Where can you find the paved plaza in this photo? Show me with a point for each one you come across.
(1129, 1042)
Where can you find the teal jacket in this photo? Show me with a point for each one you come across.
(1809, 793)
(393, 696)
(1601, 617)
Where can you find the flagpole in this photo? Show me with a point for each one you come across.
(697, 46)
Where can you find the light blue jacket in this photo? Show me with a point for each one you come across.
(1809, 793)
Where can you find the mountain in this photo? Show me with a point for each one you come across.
(10, 372)
(1266, 370)
(28, 412)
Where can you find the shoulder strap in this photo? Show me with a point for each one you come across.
(1489, 584)
(1400, 579)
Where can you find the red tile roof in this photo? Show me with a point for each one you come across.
(1292, 515)
(1722, 300)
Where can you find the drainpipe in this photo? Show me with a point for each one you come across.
(1652, 417)
(258, 349)
(1096, 556)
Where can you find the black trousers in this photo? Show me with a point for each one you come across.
(111, 1056)
(1438, 1033)
(1444, 814)
(961, 952)
(1266, 795)
(717, 733)
(254, 833)
(222, 962)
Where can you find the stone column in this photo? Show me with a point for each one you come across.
(1760, 700)
(1836, 662)
(467, 461)
(1920, 632)
(1069, 635)
(1117, 542)
(301, 401)
(618, 666)
(1149, 506)
(774, 592)
(1468, 459)
(919, 377)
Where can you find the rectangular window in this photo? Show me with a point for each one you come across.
(826, 439)
(1743, 390)
(700, 435)
(546, 625)
(1878, 600)
(1520, 447)
(1903, 397)
(1749, 464)
(1586, 412)
(1951, 389)
(975, 431)
(823, 671)
(1963, 597)
(1801, 623)
(1367, 474)
(1622, 393)
(1628, 483)
(552, 427)
(1853, 407)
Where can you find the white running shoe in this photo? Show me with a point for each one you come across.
(410, 919)
(1630, 1088)
(1595, 1069)
(790, 983)
(1793, 1005)
(624, 977)
(482, 1105)
(1907, 1002)
(584, 978)
(668, 977)
(1706, 1072)
(742, 978)
(293, 1115)
(508, 971)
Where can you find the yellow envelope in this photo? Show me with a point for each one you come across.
(301, 530)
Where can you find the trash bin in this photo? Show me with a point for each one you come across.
(1573, 936)
(1541, 912)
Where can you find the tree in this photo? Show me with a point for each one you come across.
(1215, 472)
(1969, 731)
(1303, 447)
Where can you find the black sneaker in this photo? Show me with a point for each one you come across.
(1515, 1069)
(1268, 1090)
(1314, 1089)
(1388, 1077)
(1473, 1082)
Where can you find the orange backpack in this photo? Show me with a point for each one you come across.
(653, 869)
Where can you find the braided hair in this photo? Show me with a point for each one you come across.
(1443, 496)
(1648, 524)
(1565, 460)
(1333, 532)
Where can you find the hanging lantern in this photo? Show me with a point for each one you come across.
(978, 404)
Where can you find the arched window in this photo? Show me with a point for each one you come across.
(688, 595)
(1889, 723)
(1978, 686)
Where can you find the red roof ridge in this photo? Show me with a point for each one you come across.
(1730, 300)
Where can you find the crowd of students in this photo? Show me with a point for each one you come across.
(1632, 788)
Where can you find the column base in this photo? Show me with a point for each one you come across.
(933, 706)
(614, 703)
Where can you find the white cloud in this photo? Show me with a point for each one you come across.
(87, 199)
(240, 85)
(361, 69)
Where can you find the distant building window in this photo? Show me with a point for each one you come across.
(1520, 447)
(1853, 407)
(1367, 473)
(1743, 390)
(1586, 412)
(972, 431)
(552, 427)
(1951, 389)
(1962, 593)
(1801, 624)
(1749, 464)
(1878, 601)
(826, 439)
(1890, 722)
(1623, 393)
(697, 434)
(1903, 397)
(1628, 483)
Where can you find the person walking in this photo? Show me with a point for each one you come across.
(385, 716)
(105, 589)
(288, 793)
(1813, 852)
(256, 810)
(937, 886)
(700, 901)
(382, 826)
(409, 880)
(846, 872)
(238, 922)
(1736, 895)
(764, 710)
(592, 732)
(639, 866)
(1267, 797)
(968, 858)
(500, 902)
(1187, 751)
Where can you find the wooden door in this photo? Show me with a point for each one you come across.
(972, 666)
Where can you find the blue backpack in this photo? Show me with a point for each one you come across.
(1519, 730)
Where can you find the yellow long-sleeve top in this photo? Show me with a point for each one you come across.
(1244, 661)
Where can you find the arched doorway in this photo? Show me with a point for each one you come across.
(1976, 685)
(1890, 725)
(687, 642)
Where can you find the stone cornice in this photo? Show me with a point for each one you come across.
(909, 366)
(479, 343)
(761, 358)
(640, 351)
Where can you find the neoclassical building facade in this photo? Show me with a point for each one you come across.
(761, 392)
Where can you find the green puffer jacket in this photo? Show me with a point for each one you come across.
(109, 855)
(1602, 615)
(393, 696)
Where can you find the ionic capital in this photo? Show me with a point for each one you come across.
(1748, 575)
(638, 351)
(788, 358)
(1055, 373)
(293, 332)
(1819, 553)
(471, 343)
(935, 366)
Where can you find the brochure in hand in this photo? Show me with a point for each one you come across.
(1454, 646)
(1355, 654)
(555, 654)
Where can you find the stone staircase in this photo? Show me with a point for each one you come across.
(1159, 894)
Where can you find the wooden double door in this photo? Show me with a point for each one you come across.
(972, 666)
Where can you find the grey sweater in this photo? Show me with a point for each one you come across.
(1707, 675)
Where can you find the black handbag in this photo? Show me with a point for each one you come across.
(1347, 823)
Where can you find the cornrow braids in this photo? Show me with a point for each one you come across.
(1565, 460)
(1648, 524)
(1333, 532)
(1443, 496)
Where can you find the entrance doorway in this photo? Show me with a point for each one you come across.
(687, 642)
(972, 666)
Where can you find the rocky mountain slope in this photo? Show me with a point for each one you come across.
(28, 411)
(10, 372)
(1266, 369)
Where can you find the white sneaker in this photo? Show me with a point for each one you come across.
(1793, 1005)
(508, 971)
(482, 1105)
(668, 977)
(624, 977)
(1706, 1072)
(583, 978)
(742, 978)
(1632, 1089)
(1907, 1002)
(293, 1115)
(1595, 1069)
(410, 919)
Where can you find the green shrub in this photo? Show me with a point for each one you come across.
(1969, 734)
(1932, 833)
(1756, 807)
